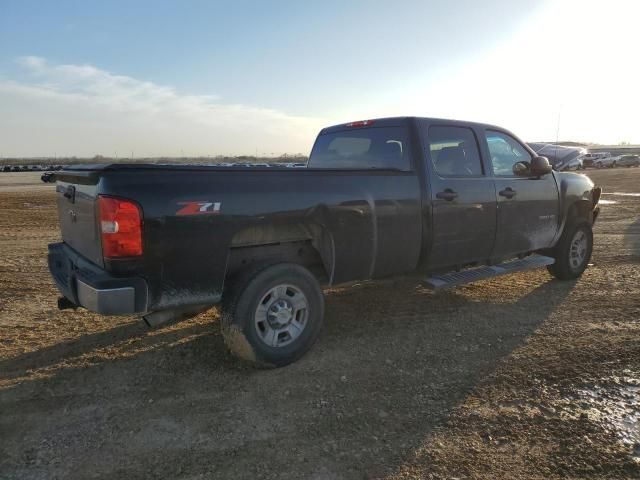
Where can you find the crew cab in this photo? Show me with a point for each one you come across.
(449, 200)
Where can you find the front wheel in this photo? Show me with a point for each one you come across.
(272, 316)
(573, 252)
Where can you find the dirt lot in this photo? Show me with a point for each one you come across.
(517, 377)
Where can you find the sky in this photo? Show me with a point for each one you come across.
(198, 78)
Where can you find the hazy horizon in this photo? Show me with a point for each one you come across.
(156, 79)
(267, 155)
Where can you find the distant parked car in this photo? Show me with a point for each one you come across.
(6, 168)
(595, 159)
(629, 161)
(607, 162)
(599, 160)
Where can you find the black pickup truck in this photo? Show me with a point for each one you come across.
(454, 201)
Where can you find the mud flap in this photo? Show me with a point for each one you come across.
(154, 319)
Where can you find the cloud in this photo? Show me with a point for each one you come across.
(567, 72)
(31, 62)
(83, 110)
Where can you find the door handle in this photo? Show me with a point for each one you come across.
(507, 192)
(447, 195)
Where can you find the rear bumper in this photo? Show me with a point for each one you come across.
(89, 286)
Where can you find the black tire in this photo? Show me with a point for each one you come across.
(240, 304)
(564, 268)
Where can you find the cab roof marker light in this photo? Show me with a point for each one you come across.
(360, 123)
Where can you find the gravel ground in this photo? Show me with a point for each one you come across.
(516, 377)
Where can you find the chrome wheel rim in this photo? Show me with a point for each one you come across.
(281, 315)
(578, 250)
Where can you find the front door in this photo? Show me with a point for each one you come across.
(527, 205)
(463, 198)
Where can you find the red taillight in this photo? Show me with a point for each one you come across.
(360, 123)
(120, 227)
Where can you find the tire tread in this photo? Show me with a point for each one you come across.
(240, 341)
(561, 269)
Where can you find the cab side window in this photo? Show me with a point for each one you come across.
(505, 152)
(454, 151)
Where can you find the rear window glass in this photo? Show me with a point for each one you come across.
(454, 151)
(367, 148)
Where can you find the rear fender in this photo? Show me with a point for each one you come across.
(309, 245)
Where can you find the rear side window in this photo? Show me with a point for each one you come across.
(454, 151)
(366, 148)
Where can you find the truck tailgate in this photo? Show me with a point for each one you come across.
(77, 217)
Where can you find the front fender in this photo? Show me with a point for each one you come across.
(578, 199)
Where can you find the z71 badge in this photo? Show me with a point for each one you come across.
(199, 208)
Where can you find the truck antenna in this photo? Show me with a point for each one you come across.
(558, 129)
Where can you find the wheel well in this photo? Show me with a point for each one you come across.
(578, 212)
(308, 245)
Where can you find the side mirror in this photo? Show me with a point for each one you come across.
(521, 169)
(540, 166)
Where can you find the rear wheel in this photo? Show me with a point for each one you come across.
(573, 252)
(272, 315)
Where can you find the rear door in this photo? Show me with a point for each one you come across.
(527, 205)
(373, 197)
(462, 194)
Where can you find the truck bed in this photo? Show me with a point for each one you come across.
(365, 224)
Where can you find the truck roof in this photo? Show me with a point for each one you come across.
(399, 122)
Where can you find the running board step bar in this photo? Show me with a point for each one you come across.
(480, 273)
